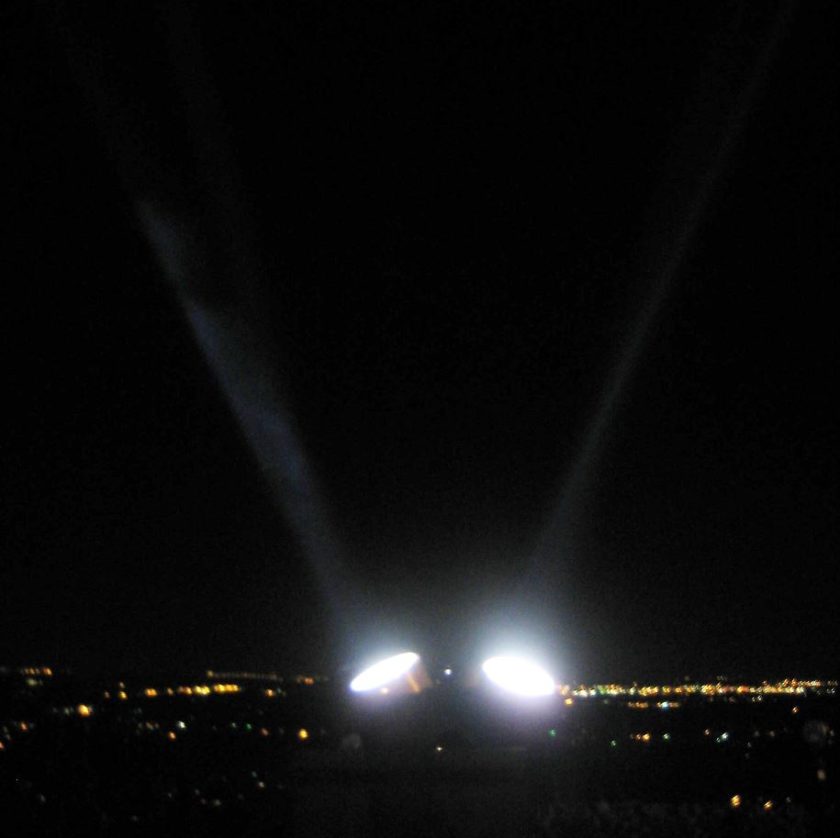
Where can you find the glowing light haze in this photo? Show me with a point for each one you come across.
(518, 676)
(384, 672)
(676, 230)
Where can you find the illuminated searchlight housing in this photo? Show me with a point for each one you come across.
(518, 676)
(398, 674)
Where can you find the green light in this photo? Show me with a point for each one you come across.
(249, 727)
(552, 733)
(613, 743)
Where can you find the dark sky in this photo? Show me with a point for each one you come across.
(451, 240)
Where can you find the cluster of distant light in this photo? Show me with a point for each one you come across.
(766, 803)
(88, 710)
(789, 686)
(307, 680)
(647, 736)
(192, 689)
(189, 689)
(721, 738)
(171, 733)
(225, 682)
(660, 705)
(34, 674)
(12, 730)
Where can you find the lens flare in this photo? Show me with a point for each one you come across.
(518, 676)
(384, 672)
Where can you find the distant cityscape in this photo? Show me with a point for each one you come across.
(223, 682)
(254, 751)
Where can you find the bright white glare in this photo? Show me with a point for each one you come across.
(384, 672)
(519, 676)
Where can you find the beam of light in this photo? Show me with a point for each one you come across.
(384, 672)
(664, 266)
(241, 365)
(234, 336)
(519, 676)
(205, 243)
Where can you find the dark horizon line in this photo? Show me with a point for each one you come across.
(276, 674)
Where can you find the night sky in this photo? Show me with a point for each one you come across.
(540, 295)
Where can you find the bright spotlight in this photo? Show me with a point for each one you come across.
(518, 676)
(384, 672)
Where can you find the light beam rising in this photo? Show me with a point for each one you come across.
(198, 225)
(241, 366)
(674, 241)
(233, 332)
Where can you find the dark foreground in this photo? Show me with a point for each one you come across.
(298, 760)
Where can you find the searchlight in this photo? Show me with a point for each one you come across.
(400, 673)
(519, 676)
